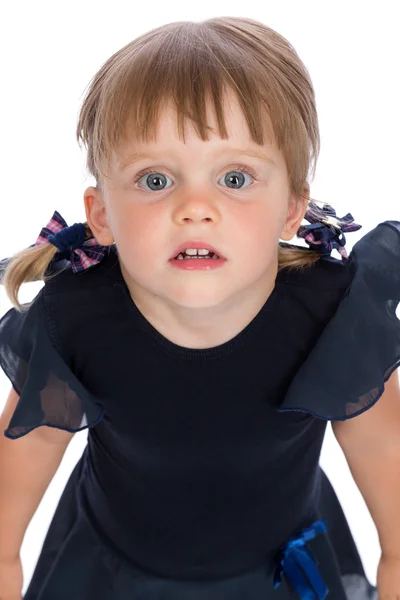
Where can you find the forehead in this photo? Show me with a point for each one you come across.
(168, 141)
(257, 153)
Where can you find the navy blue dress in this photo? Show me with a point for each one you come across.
(201, 479)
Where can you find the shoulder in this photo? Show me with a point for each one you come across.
(79, 307)
(371, 271)
(313, 293)
(359, 345)
(63, 279)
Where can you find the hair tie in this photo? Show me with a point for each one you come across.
(326, 231)
(71, 244)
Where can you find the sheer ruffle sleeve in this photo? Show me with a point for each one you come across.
(50, 393)
(359, 348)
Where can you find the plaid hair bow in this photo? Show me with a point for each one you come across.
(326, 230)
(71, 243)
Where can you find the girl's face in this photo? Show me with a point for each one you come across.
(188, 197)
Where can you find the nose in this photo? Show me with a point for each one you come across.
(196, 208)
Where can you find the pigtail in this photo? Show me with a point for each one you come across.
(29, 264)
(296, 258)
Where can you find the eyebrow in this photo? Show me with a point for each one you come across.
(242, 151)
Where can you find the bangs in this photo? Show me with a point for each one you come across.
(177, 72)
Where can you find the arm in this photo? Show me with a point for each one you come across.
(371, 445)
(27, 466)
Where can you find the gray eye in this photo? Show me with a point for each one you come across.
(155, 180)
(234, 178)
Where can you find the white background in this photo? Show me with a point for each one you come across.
(50, 51)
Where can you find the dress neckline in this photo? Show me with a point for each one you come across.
(327, 272)
(215, 351)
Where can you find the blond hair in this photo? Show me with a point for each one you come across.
(188, 62)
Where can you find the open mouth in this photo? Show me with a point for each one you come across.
(208, 256)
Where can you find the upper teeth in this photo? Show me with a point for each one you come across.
(194, 251)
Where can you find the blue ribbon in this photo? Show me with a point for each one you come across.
(295, 559)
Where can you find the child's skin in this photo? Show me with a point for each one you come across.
(201, 308)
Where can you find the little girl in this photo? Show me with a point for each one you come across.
(204, 356)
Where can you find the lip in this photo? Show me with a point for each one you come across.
(198, 244)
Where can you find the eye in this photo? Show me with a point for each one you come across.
(233, 178)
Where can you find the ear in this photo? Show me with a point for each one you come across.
(296, 210)
(96, 216)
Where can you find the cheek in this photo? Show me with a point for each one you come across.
(138, 231)
(258, 235)
(258, 232)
